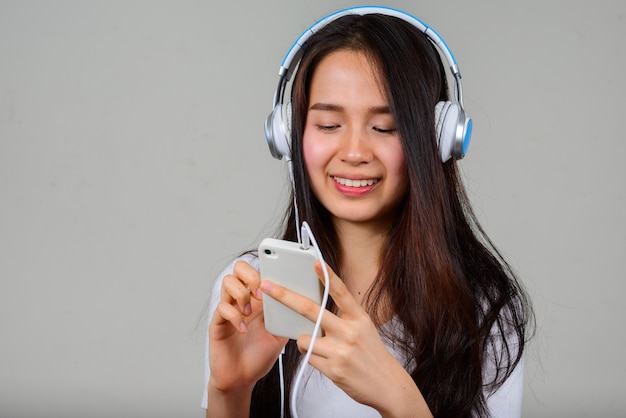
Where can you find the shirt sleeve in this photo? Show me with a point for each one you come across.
(506, 402)
(213, 302)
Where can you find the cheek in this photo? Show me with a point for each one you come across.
(314, 154)
(394, 160)
(396, 169)
(400, 165)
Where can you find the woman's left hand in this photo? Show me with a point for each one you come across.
(352, 354)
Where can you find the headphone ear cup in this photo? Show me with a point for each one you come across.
(454, 130)
(287, 123)
(446, 116)
(464, 134)
(277, 128)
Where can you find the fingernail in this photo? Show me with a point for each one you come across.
(259, 294)
(247, 309)
(267, 287)
(243, 327)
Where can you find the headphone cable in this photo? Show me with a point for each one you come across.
(305, 238)
(307, 235)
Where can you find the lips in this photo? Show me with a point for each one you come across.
(354, 187)
(355, 183)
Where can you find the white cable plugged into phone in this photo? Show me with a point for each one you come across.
(307, 239)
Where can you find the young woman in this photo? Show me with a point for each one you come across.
(426, 318)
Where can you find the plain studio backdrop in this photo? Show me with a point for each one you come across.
(133, 166)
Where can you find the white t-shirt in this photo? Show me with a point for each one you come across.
(318, 396)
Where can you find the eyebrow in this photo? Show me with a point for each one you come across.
(336, 108)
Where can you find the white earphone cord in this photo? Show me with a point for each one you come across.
(305, 238)
(295, 201)
(281, 372)
(308, 234)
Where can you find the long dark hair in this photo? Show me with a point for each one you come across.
(458, 300)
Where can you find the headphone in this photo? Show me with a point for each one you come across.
(453, 126)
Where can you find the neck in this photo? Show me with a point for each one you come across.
(361, 246)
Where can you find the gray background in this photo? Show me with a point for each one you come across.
(133, 166)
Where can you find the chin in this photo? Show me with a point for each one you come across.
(360, 217)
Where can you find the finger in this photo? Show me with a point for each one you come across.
(225, 312)
(318, 361)
(238, 286)
(235, 292)
(321, 348)
(295, 301)
(338, 291)
(249, 276)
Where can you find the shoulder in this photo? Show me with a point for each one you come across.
(250, 257)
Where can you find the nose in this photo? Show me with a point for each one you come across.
(355, 147)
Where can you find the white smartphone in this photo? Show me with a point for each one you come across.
(287, 264)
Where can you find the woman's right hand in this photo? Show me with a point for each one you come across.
(241, 351)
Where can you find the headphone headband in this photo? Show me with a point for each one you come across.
(457, 129)
(296, 49)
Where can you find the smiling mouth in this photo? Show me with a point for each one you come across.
(355, 183)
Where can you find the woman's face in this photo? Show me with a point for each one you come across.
(352, 151)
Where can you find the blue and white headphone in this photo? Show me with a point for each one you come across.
(453, 126)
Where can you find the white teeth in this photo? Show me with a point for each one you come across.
(355, 183)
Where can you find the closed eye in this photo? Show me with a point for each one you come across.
(327, 128)
(384, 131)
